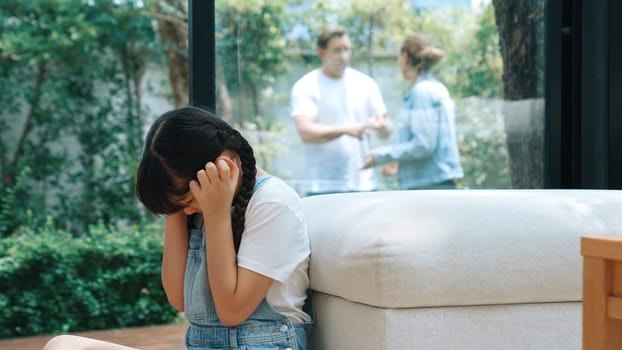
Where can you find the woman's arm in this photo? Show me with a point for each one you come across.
(423, 124)
(421, 119)
(174, 258)
(423, 130)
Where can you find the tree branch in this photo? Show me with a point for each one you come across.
(34, 106)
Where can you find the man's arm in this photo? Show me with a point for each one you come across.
(313, 132)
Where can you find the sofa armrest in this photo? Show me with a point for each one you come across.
(602, 247)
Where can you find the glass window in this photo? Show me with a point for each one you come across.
(491, 65)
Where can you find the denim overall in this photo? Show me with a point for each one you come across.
(264, 329)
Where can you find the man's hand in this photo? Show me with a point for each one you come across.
(355, 130)
(381, 124)
(311, 131)
(215, 187)
(369, 161)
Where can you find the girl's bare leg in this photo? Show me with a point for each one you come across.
(73, 342)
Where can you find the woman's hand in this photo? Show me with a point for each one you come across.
(369, 161)
(215, 187)
(389, 169)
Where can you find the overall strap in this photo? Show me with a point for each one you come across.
(260, 181)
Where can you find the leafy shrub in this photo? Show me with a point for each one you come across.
(482, 143)
(52, 281)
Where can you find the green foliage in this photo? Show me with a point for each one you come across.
(251, 46)
(9, 202)
(482, 144)
(70, 74)
(310, 17)
(472, 65)
(266, 138)
(478, 60)
(71, 71)
(375, 24)
(484, 160)
(52, 281)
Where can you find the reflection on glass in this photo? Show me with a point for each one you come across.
(496, 83)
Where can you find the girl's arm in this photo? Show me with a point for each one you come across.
(237, 292)
(174, 258)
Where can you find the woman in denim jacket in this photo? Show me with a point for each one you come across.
(426, 150)
(236, 246)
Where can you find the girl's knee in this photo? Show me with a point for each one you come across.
(74, 342)
(60, 342)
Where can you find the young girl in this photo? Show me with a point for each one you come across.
(236, 248)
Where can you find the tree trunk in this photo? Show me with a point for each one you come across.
(11, 173)
(224, 107)
(173, 33)
(521, 41)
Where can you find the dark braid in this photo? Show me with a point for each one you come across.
(235, 142)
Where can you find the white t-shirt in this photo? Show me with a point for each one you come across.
(334, 166)
(275, 244)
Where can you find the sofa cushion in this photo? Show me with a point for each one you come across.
(442, 248)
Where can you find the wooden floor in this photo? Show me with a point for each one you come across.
(168, 337)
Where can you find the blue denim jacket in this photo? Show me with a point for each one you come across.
(426, 148)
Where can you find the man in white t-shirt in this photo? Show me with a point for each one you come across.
(336, 109)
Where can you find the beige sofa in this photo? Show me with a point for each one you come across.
(463, 269)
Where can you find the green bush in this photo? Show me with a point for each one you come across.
(482, 143)
(52, 281)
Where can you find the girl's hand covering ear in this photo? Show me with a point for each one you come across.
(215, 187)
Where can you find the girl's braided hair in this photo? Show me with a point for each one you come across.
(179, 144)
